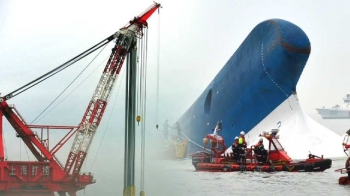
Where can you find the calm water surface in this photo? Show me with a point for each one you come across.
(184, 181)
(178, 178)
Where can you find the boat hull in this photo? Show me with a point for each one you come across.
(344, 180)
(316, 166)
(333, 113)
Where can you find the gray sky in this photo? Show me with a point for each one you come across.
(197, 38)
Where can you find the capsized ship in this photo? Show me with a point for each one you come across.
(337, 111)
(256, 91)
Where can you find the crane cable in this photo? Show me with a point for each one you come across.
(142, 96)
(35, 119)
(137, 94)
(158, 52)
(58, 69)
(92, 72)
(138, 78)
(143, 88)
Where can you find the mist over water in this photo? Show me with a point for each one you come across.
(35, 40)
(165, 177)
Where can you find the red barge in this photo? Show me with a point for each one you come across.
(275, 158)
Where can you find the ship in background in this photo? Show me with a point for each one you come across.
(337, 111)
(256, 91)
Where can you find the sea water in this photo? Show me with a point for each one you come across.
(179, 178)
(164, 177)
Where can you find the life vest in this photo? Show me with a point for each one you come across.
(240, 140)
(259, 146)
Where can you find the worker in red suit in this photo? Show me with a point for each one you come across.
(347, 163)
(346, 146)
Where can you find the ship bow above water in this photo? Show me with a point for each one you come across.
(257, 85)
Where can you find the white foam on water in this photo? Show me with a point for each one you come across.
(299, 134)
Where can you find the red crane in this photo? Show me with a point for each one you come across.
(47, 175)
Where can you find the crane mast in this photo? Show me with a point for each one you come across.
(126, 40)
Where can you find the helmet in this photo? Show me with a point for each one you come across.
(242, 133)
(236, 138)
(261, 140)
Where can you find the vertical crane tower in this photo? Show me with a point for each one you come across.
(47, 175)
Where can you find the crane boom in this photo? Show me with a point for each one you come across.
(47, 175)
(126, 39)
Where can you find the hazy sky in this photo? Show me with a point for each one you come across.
(196, 40)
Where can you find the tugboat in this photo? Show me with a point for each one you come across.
(275, 158)
(345, 180)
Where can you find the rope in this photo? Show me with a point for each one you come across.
(69, 84)
(25, 147)
(188, 139)
(20, 150)
(193, 141)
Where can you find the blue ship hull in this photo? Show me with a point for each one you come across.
(260, 75)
